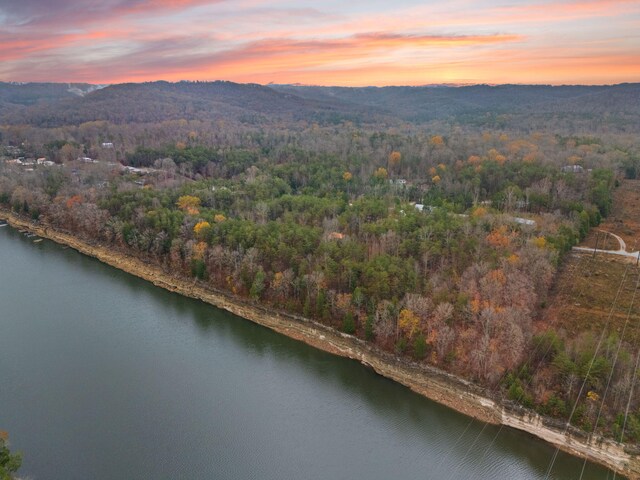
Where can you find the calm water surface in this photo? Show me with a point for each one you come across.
(104, 376)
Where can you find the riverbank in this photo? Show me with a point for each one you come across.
(432, 383)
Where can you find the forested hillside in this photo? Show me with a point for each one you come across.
(26, 94)
(565, 108)
(160, 101)
(439, 241)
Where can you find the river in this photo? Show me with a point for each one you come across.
(105, 376)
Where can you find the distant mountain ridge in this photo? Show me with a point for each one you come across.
(56, 104)
(429, 102)
(159, 101)
(19, 93)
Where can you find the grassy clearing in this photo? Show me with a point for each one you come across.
(584, 296)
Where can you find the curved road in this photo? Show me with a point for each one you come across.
(621, 251)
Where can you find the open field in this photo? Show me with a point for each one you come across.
(624, 220)
(599, 291)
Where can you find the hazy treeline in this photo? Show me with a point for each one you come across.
(567, 109)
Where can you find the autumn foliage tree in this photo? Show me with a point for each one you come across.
(408, 323)
(189, 204)
(202, 229)
(394, 160)
(381, 174)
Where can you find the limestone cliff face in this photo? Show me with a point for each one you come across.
(440, 386)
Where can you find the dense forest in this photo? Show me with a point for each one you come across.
(438, 239)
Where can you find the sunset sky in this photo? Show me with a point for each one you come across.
(331, 42)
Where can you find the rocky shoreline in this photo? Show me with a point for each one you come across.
(435, 384)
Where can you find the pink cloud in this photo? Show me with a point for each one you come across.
(15, 47)
(59, 14)
(152, 39)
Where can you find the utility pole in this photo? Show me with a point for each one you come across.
(596, 247)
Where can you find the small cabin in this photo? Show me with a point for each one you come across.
(524, 221)
(572, 169)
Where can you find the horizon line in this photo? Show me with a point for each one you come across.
(310, 85)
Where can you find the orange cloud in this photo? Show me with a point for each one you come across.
(14, 47)
(357, 61)
(400, 41)
(544, 41)
(171, 56)
(330, 51)
(310, 61)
